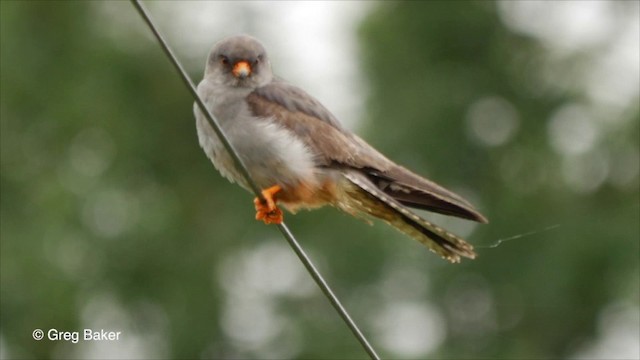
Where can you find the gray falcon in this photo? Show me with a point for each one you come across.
(300, 155)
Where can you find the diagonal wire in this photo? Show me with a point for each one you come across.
(315, 274)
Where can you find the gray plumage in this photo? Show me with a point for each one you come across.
(288, 138)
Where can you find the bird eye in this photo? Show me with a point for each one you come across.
(258, 59)
(224, 60)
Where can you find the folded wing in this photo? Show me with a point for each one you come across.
(337, 148)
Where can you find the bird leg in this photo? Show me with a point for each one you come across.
(267, 210)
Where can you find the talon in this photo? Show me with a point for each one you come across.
(258, 204)
(267, 210)
(273, 217)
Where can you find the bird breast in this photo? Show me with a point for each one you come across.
(272, 154)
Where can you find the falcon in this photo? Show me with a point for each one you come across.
(301, 156)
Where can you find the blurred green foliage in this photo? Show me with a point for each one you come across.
(107, 198)
(427, 64)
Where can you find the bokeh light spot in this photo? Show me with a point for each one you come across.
(410, 329)
(572, 130)
(492, 121)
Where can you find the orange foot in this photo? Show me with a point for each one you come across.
(267, 210)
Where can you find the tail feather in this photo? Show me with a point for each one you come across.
(367, 198)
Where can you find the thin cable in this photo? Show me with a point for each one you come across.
(315, 274)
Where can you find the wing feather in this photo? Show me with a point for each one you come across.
(334, 146)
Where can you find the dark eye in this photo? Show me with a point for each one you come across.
(258, 59)
(224, 60)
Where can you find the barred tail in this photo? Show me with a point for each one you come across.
(367, 198)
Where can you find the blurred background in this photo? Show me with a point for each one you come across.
(113, 218)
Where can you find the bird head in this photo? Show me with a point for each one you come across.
(239, 61)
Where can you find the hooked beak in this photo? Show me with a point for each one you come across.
(241, 69)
